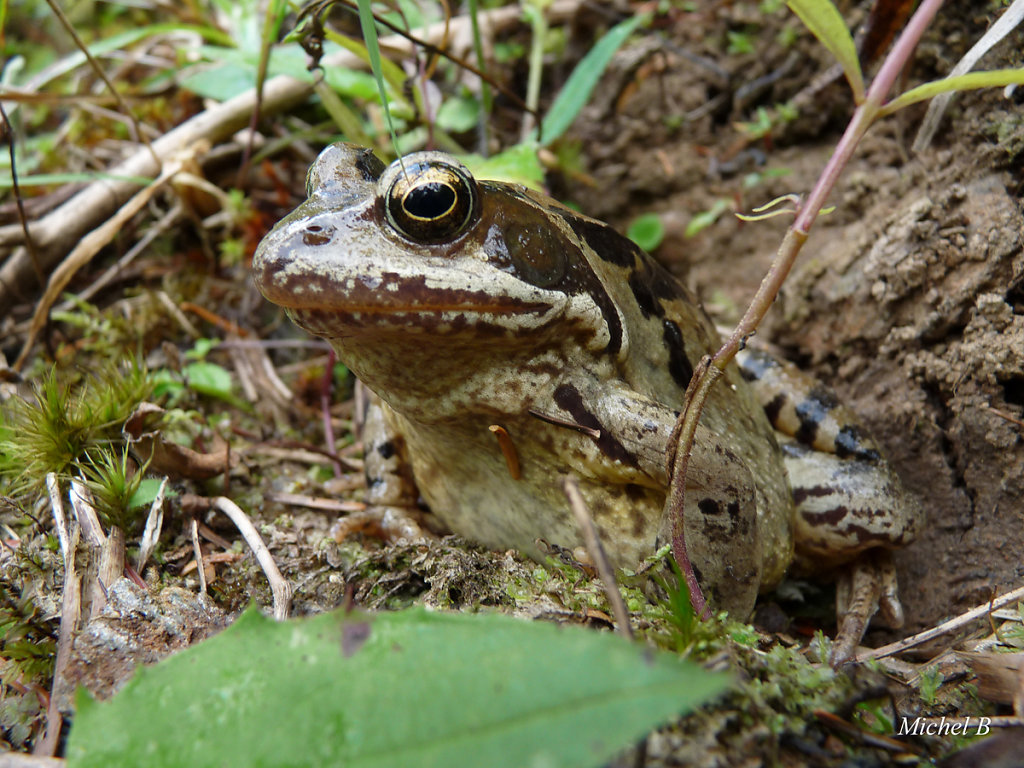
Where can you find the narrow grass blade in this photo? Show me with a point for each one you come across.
(577, 89)
(369, 27)
(996, 78)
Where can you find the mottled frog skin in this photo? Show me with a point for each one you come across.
(466, 304)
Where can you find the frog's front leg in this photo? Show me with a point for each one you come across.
(391, 495)
(721, 516)
(850, 505)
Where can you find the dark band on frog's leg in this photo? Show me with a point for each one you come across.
(773, 408)
(816, 418)
(569, 399)
(852, 442)
(812, 410)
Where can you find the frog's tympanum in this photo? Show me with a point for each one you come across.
(466, 305)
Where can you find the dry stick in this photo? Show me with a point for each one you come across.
(83, 253)
(796, 236)
(179, 317)
(197, 550)
(170, 219)
(571, 488)
(278, 586)
(71, 603)
(325, 407)
(948, 626)
(85, 513)
(56, 233)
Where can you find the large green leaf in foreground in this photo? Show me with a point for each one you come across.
(398, 689)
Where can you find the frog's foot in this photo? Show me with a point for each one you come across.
(866, 587)
(395, 525)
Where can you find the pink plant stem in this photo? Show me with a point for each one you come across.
(686, 427)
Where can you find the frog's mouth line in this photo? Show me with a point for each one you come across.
(439, 319)
(389, 294)
(429, 309)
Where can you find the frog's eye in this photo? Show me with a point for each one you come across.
(429, 197)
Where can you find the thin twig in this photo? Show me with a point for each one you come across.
(948, 626)
(175, 312)
(571, 488)
(280, 588)
(166, 222)
(30, 245)
(197, 550)
(326, 388)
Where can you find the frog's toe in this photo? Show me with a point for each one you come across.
(888, 598)
(867, 586)
(395, 525)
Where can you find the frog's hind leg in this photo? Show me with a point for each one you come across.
(867, 586)
(850, 506)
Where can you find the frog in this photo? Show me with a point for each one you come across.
(511, 341)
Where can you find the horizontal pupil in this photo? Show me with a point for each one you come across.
(429, 201)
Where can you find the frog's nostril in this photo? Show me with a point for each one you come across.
(315, 234)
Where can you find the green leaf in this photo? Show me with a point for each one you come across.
(209, 379)
(826, 24)
(517, 165)
(147, 491)
(400, 689)
(349, 82)
(392, 74)
(647, 231)
(996, 78)
(201, 349)
(459, 114)
(577, 89)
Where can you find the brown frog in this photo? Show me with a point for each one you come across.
(469, 305)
